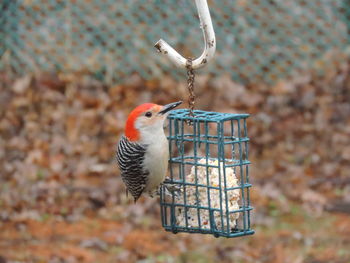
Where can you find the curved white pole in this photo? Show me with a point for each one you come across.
(209, 41)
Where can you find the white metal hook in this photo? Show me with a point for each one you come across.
(209, 41)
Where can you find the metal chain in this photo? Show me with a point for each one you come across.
(190, 86)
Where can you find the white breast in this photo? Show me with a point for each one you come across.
(156, 159)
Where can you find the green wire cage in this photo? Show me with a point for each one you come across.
(209, 167)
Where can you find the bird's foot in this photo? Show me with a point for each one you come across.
(170, 189)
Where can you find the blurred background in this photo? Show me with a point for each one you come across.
(71, 71)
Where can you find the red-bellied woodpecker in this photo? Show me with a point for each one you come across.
(142, 152)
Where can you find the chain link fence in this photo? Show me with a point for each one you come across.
(258, 40)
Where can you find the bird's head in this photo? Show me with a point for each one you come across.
(147, 118)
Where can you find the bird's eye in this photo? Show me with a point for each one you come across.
(148, 114)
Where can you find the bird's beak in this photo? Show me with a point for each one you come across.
(169, 107)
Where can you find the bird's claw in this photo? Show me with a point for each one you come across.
(170, 189)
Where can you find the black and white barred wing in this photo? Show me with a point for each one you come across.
(130, 157)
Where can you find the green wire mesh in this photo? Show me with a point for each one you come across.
(258, 40)
(214, 145)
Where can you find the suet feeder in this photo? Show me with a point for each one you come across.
(209, 166)
(208, 158)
